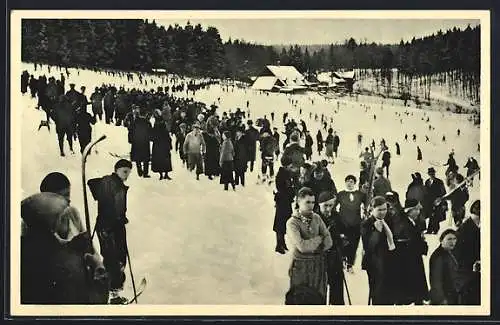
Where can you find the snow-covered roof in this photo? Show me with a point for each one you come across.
(346, 74)
(287, 74)
(329, 78)
(264, 83)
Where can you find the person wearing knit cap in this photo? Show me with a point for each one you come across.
(334, 256)
(378, 244)
(110, 192)
(350, 204)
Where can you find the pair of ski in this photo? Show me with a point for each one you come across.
(142, 284)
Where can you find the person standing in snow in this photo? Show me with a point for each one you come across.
(434, 209)
(398, 149)
(276, 136)
(110, 192)
(381, 185)
(386, 159)
(268, 148)
(226, 161)
(419, 154)
(472, 166)
(64, 116)
(96, 99)
(329, 145)
(252, 136)
(161, 160)
(140, 152)
(240, 156)
(194, 147)
(308, 146)
(84, 122)
(378, 244)
(283, 198)
(319, 142)
(350, 203)
(336, 143)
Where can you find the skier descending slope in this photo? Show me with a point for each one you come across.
(110, 192)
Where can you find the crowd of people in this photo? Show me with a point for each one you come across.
(325, 224)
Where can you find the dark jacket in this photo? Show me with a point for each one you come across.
(446, 282)
(64, 114)
(433, 191)
(240, 154)
(212, 154)
(252, 136)
(162, 145)
(336, 141)
(55, 272)
(416, 191)
(386, 158)
(267, 146)
(378, 262)
(410, 278)
(381, 186)
(111, 195)
(83, 125)
(308, 145)
(468, 246)
(283, 198)
(141, 132)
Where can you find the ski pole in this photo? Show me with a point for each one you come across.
(346, 287)
(132, 276)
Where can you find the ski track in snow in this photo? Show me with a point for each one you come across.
(197, 244)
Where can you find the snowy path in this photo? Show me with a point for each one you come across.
(197, 244)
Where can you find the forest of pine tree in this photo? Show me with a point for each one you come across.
(451, 57)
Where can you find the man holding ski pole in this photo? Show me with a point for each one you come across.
(111, 194)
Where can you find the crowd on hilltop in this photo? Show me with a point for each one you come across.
(324, 222)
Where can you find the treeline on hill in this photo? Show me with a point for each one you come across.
(451, 58)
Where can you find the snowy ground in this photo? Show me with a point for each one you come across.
(197, 244)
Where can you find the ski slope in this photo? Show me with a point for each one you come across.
(197, 244)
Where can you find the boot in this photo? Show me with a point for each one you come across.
(167, 177)
(139, 168)
(116, 299)
(146, 170)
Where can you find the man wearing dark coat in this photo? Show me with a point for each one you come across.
(64, 117)
(24, 82)
(96, 99)
(110, 192)
(436, 213)
(212, 154)
(283, 198)
(386, 161)
(109, 105)
(240, 157)
(336, 143)
(83, 127)
(320, 182)
(308, 146)
(378, 244)
(140, 152)
(161, 161)
(252, 136)
(410, 281)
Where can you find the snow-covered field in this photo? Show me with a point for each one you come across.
(197, 244)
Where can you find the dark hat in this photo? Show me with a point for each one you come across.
(379, 171)
(54, 182)
(475, 208)
(410, 204)
(325, 196)
(123, 163)
(196, 125)
(249, 122)
(431, 170)
(391, 196)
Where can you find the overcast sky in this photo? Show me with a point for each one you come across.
(324, 31)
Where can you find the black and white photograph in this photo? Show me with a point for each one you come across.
(250, 163)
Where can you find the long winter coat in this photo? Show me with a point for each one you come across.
(445, 279)
(240, 154)
(64, 114)
(161, 160)
(96, 99)
(378, 262)
(226, 162)
(308, 145)
(410, 280)
(252, 135)
(283, 198)
(432, 192)
(141, 131)
(212, 155)
(329, 145)
(319, 141)
(54, 269)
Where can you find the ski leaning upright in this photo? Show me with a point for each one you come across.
(85, 154)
